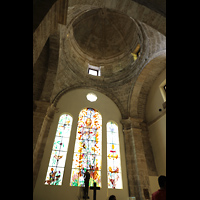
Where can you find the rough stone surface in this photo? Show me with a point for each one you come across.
(104, 33)
(62, 51)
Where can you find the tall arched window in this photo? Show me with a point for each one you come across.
(87, 151)
(113, 157)
(56, 166)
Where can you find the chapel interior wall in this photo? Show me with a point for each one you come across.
(70, 103)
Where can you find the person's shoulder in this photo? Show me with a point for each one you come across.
(155, 193)
(158, 192)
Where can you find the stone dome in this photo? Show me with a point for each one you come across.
(105, 34)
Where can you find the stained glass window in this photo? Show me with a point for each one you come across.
(113, 157)
(56, 166)
(87, 151)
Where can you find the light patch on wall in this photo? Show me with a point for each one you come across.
(163, 89)
(136, 52)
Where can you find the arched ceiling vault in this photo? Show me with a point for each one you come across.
(142, 86)
(121, 77)
(149, 12)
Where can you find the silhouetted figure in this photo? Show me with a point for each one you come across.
(112, 197)
(86, 181)
(161, 193)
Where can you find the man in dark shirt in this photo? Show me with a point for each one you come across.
(87, 179)
(161, 193)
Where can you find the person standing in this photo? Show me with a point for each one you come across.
(87, 179)
(161, 193)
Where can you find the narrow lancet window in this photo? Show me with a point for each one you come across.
(113, 157)
(56, 166)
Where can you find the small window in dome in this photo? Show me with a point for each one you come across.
(94, 70)
(91, 97)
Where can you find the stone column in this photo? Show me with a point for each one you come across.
(137, 170)
(130, 158)
(41, 142)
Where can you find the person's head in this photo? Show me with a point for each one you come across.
(162, 181)
(112, 197)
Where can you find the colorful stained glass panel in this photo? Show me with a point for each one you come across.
(57, 158)
(118, 179)
(54, 176)
(74, 177)
(64, 132)
(59, 151)
(87, 150)
(95, 176)
(60, 144)
(113, 157)
(113, 139)
(114, 180)
(113, 151)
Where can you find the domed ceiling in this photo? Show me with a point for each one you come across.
(105, 34)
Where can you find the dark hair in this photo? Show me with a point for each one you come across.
(162, 181)
(112, 197)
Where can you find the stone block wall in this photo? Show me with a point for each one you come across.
(58, 68)
(139, 157)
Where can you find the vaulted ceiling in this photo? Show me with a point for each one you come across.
(101, 33)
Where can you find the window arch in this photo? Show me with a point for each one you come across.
(113, 157)
(87, 151)
(56, 166)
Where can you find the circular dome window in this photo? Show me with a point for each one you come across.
(91, 97)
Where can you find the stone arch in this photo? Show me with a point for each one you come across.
(150, 72)
(103, 91)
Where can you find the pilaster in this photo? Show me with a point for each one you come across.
(39, 112)
(41, 141)
(137, 170)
